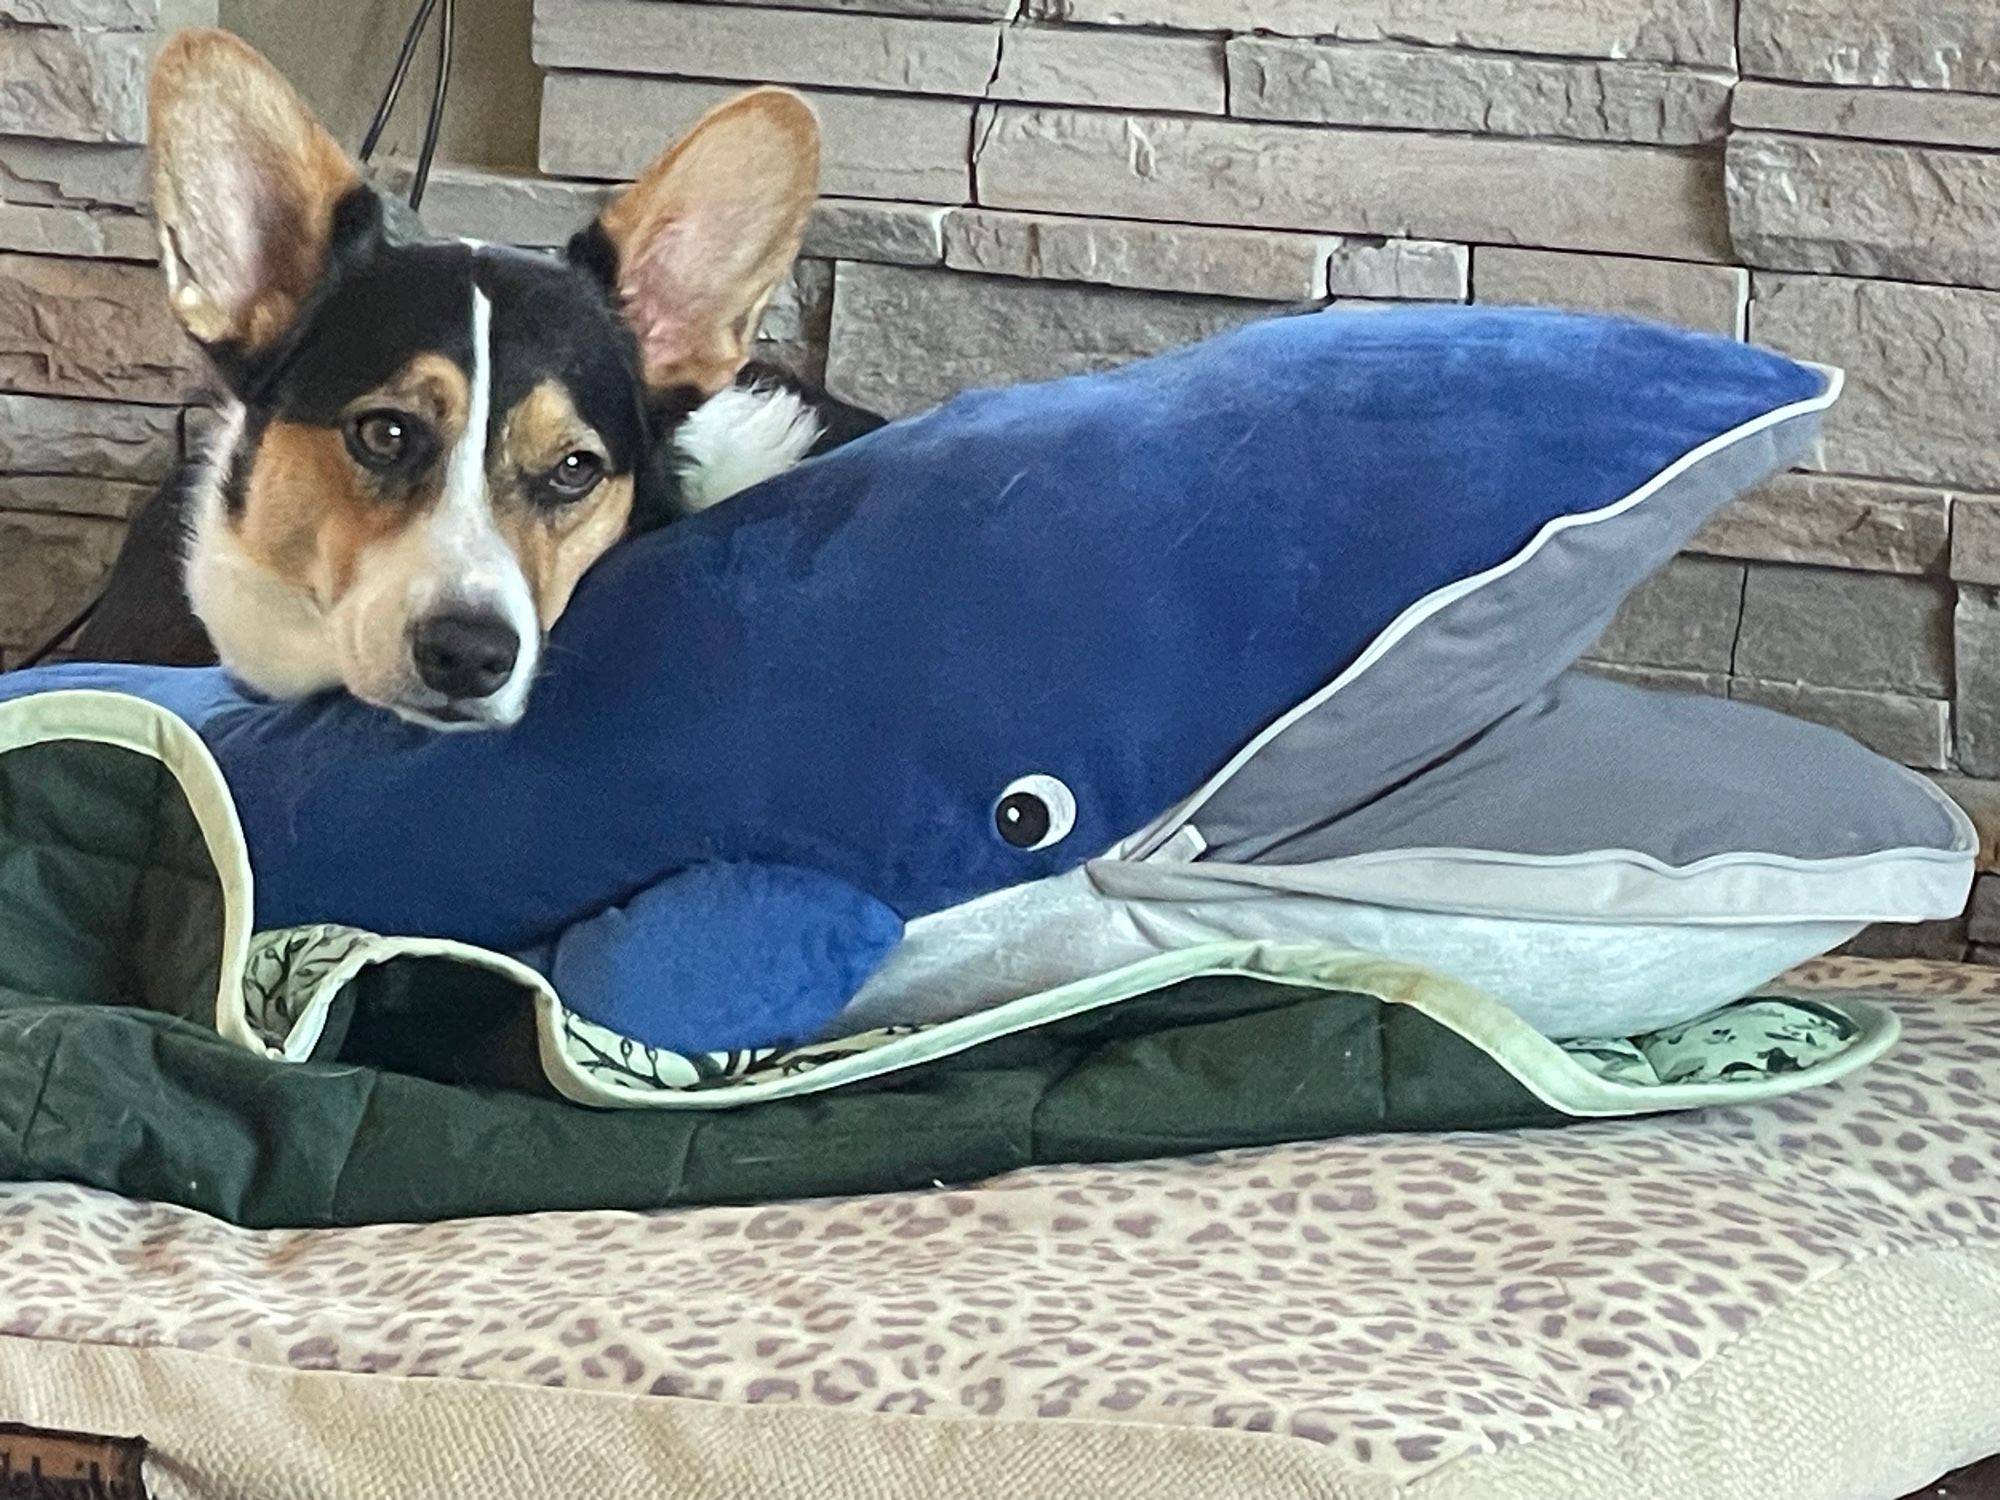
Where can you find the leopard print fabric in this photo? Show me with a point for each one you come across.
(1404, 1300)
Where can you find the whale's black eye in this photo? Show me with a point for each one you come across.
(1034, 812)
(1023, 819)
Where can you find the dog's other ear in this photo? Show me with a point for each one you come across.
(244, 186)
(702, 239)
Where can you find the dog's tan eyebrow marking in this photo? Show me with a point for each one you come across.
(429, 385)
(542, 427)
(555, 544)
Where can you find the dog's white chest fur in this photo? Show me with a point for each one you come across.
(738, 438)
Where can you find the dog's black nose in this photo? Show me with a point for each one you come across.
(465, 656)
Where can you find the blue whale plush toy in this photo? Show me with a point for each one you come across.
(1176, 617)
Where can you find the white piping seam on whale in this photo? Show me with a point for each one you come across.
(1892, 885)
(1143, 843)
(1822, 868)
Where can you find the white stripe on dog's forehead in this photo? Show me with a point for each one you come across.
(482, 570)
(470, 558)
(465, 476)
(471, 566)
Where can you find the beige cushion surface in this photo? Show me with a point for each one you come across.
(1803, 1293)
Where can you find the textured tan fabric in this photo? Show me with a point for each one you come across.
(1713, 1305)
(1874, 1382)
(225, 1430)
(1824, 1402)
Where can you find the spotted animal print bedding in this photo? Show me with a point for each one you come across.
(1401, 1301)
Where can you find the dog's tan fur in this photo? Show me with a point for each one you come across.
(315, 515)
(555, 548)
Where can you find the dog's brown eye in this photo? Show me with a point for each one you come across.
(577, 474)
(381, 439)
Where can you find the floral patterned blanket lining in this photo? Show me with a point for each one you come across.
(295, 978)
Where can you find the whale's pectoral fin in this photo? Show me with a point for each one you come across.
(724, 956)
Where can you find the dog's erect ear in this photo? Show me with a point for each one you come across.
(704, 236)
(244, 186)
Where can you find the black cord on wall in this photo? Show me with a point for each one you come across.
(432, 122)
(370, 139)
(372, 136)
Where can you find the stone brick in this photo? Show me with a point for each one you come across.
(70, 174)
(1111, 70)
(1862, 208)
(1975, 539)
(51, 435)
(87, 15)
(1922, 365)
(110, 15)
(507, 208)
(200, 426)
(1119, 252)
(1942, 941)
(1913, 730)
(48, 567)
(790, 312)
(968, 10)
(1836, 521)
(73, 86)
(71, 495)
(1939, 44)
(1190, 258)
(1840, 629)
(1661, 679)
(502, 208)
(83, 15)
(1872, 114)
(1976, 636)
(1981, 803)
(1426, 88)
(1684, 617)
(1566, 195)
(874, 147)
(1397, 270)
(793, 334)
(1685, 31)
(1714, 299)
(903, 234)
(1983, 911)
(77, 232)
(89, 328)
(979, 331)
(896, 54)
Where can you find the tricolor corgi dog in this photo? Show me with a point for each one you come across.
(428, 442)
